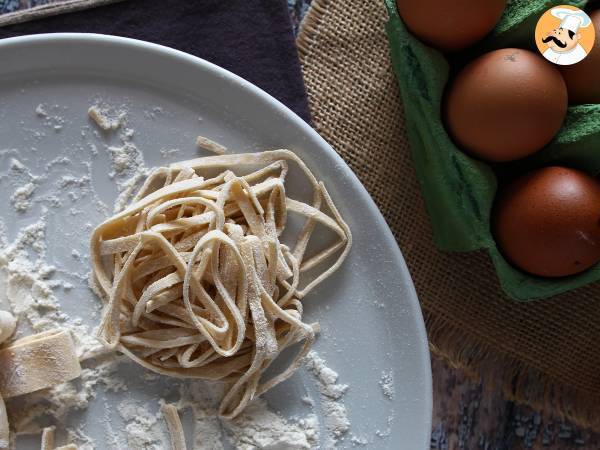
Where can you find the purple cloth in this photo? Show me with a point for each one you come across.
(253, 39)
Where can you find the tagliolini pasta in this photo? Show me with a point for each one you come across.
(174, 426)
(196, 281)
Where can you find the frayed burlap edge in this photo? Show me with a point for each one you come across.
(50, 9)
(309, 26)
(518, 381)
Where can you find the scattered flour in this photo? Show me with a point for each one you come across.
(69, 187)
(128, 188)
(125, 159)
(40, 110)
(82, 182)
(17, 165)
(127, 134)
(145, 430)
(358, 441)
(93, 149)
(379, 304)
(203, 402)
(22, 282)
(48, 119)
(128, 170)
(60, 401)
(334, 410)
(154, 112)
(27, 284)
(388, 430)
(387, 384)
(169, 152)
(110, 436)
(21, 198)
(78, 438)
(258, 427)
(58, 161)
(150, 376)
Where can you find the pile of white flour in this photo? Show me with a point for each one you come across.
(32, 289)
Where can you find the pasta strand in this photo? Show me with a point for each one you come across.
(196, 280)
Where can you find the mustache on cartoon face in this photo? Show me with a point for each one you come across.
(556, 41)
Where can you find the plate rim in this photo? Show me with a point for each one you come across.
(412, 298)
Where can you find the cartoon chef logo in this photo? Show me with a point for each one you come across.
(564, 35)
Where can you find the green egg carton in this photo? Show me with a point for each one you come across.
(459, 190)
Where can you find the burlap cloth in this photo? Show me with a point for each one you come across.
(543, 353)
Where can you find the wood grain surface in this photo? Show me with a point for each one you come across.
(467, 416)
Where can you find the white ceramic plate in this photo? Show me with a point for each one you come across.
(369, 312)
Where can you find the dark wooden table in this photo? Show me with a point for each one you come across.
(467, 416)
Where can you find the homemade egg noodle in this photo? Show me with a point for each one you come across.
(32, 363)
(196, 281)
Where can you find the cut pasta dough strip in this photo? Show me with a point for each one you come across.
(7, 328)
(174, 426)
(196, 280)
(4, 430)
(48, 438)
(210, 145)
(37, 362)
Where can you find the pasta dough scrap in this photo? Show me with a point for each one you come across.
(4, 430)
(7, 327)
(196, 281)
(174, 426)
(37, 362)
(48, 438)
(48, 435)
(104, 120)
(210, 145)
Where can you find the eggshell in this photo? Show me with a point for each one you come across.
(450, 25)
(505, 105)
(583, 78)
(548, 222)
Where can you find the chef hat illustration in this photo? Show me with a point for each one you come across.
(570, 19)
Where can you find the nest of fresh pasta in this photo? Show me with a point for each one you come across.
(196, 280)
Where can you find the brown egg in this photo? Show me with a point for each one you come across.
(548, 222)
(583, 78)
(506, 105)
(450, 24)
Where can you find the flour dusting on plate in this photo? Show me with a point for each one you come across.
(33, 289)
